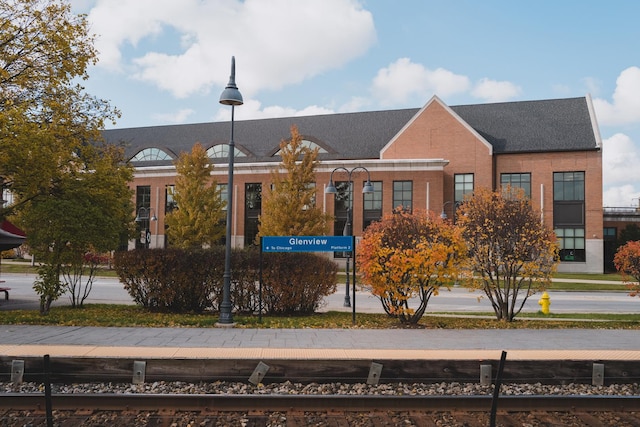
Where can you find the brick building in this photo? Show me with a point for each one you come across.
(426, 158)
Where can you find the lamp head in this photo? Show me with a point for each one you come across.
(331, 189)
(231, 95)
(368, 187)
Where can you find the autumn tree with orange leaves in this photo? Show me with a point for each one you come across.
(406, 257)
(627, 262)
(512, 253)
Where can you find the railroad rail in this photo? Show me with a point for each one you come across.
(210, 410)
(257, 402)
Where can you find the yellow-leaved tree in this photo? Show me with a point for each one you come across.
(406, 257)
(512, 253)
(199, 219)
(289, 208)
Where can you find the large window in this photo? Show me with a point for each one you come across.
(403, 194)
(568, 214)
(252, 209)
(372, 204)
(143, 209)
(224, 195)
(221, 151)
(516, 180)
(151, 155)
(341, 208)
(463, 185)
(169, 196)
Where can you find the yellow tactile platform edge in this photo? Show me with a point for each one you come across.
(307, 353)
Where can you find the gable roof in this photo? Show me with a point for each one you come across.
(510, 127)
(450, 111)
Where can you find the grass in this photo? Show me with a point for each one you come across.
(106, 315)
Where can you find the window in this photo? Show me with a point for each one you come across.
(372, 204)
(517, 180)
(571, 244)
(252, 209)
(151, 155)
(143, 207)
(224, 195)
(170, 201)
(221, 151)
(403, 194)
(568, 215)
(341, 208)
(568, 186)
(610, 233)
(308, 144)
(463, 185)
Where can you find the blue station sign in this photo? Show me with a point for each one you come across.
(307, 243)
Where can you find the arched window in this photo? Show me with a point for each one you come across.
(309, 144)
(221, 151)
(151, 155)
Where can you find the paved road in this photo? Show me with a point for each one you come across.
(110, 290)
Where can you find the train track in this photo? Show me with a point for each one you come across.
(18, 409)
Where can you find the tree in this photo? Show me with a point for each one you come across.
(627, 262)
(89, 212)
(629, 233)
(45, 116)
(199, 218)
(409, 255)
(512, 254)
(289, 208)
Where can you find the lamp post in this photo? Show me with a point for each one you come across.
(146, 215)
(348, 231)
(230, 96)
(443, 214)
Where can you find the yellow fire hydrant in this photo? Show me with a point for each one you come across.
(544, 302)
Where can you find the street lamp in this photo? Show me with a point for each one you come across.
(146, 215)
(443, 214)
(348, 231)
(230, 96)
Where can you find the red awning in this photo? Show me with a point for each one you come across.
(10, 236)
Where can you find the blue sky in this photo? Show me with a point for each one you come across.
(167, 61)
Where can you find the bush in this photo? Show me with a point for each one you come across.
(179, 280)
(296, 283)
(171, 280)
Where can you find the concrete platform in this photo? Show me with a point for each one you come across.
(346, 344)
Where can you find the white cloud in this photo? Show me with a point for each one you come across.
(177, 117)
(495, 91)
(276, 43)
(252, 109)
(619, 167)
(625, 107)
(403, 80)
(619, 159)
(620, 196)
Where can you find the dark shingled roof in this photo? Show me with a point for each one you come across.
(533, 126)
(511, 127)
